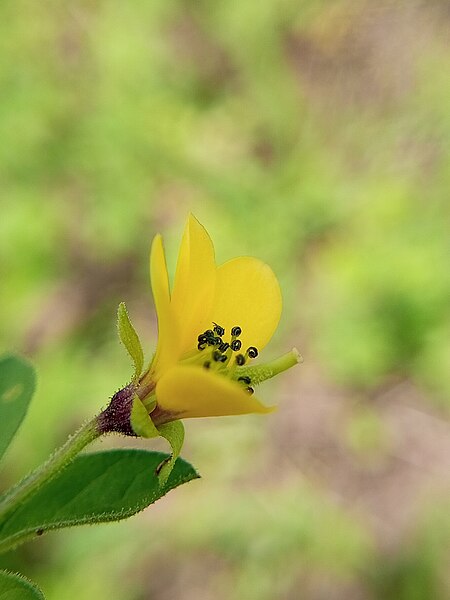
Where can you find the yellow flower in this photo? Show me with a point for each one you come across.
(211, 325)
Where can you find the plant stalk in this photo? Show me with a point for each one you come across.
(32, 482)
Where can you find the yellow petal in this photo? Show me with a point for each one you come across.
(195, 392)
(247, 295)
(193, 290)
(167, 350)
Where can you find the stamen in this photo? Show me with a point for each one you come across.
(219, 330)
(240, 360)
(252, 352)
(250, 390)
(218, 356)
(236, 345)
(220, 353)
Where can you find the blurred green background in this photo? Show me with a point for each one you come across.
(311, 134)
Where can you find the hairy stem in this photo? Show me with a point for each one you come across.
(15, 496)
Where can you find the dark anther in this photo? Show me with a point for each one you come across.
(206, 364)
(245, 379)
(219, 330)
(216, 341)
(236, 345)
(201, 346)
(217, 356)
(236, 331)
(224, 346)
(202, 338)
(209, 333)
(252, 352)
(240, 360)
(250, 390)
(223, 358)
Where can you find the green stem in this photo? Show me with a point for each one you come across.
(12, 542)
(48, 470)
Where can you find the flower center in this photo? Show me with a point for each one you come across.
(214, 352)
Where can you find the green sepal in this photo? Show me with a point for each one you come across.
(140, 421)
(130, 340)
(173, 432)
(143, 426)
(17, 587)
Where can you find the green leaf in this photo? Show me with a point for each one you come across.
(17, 587)
(17, 383)
(130, 339)
(95, 488)
(173, 432)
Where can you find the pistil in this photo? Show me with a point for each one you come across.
(259, 373)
